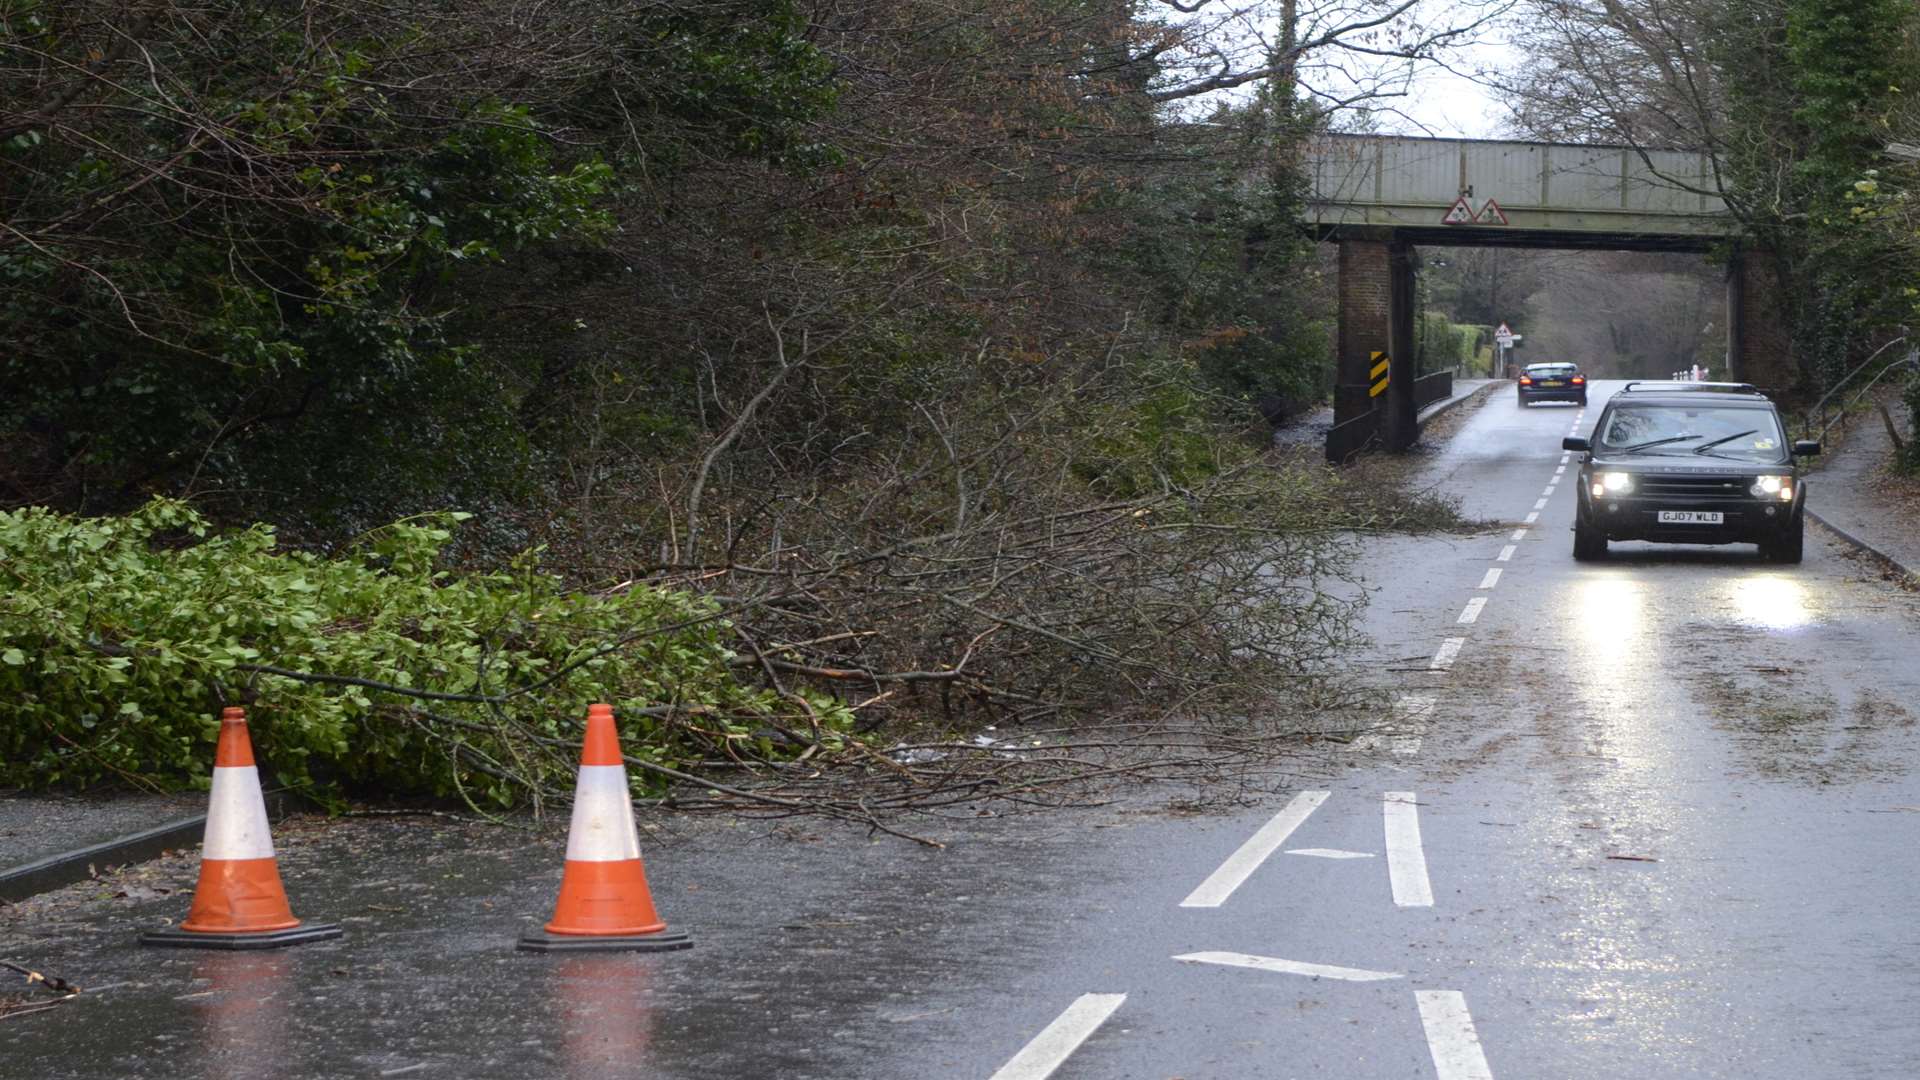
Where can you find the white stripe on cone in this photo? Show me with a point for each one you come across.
(603, 828)
(237, 816)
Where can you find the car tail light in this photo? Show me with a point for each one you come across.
(1525, 381)
(1579, 380)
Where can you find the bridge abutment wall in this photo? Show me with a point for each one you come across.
(1366, 322)
(1759, 343)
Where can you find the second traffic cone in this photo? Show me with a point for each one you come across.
(604, 900)
(239, 902)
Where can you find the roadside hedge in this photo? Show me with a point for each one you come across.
(121, 637)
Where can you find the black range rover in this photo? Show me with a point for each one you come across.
(1690, 463)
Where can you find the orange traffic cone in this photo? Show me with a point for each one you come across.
(238, 903)
(604, 900)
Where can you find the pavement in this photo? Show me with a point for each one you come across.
(1850, 491)
(1653, 816)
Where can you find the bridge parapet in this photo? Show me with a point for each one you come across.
(1543, 194)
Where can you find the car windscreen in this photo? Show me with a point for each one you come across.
(1724, 431)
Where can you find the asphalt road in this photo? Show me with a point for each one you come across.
(1651, 817)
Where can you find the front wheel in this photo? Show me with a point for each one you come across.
(1588, 543)
(1790, 546)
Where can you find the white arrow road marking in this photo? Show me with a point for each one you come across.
(1329, 853)
(1053, 1046)
(1449, 652)
(1241, 864)
(1406, 860)
(1450, 1036)
(1288, 967)
(1471, 612)
(1492, 578)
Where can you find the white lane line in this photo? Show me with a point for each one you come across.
(1052, 1047)
(1449, 652)
(1521, 534)
(1561, 470)
(1450, 1036)
(1288, 967)
(1241, 864)
(1564, 458)
(1329, 853)
(1471, 612)
(1549, 491)
(1533, 517)
(1505, 553)
(1492, 578)
(1418, 709)
(1540, 504)
(1406, 860)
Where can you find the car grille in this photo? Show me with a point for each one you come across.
(1693, 487)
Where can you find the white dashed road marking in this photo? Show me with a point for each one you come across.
(1241, 864)
(1492, 578)
(1288, 967)
(1549, 491)
(1406, 860)
(1471, 612)
(1538, 505)
(1329, 853)
(1053, 1046)
(1449, 652)
(1535, 516)
(1521, 534)
(1450, 1036)
(1505, 553)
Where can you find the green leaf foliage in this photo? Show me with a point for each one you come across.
(120, 637)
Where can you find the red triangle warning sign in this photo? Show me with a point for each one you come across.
(1490, 214)
(1460, 213)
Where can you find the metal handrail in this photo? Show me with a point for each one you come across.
(1806, 420)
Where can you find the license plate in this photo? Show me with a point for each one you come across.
(1553, 382)
(1692, 517)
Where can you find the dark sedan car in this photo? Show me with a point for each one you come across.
(1552, 382)
(1691, 463)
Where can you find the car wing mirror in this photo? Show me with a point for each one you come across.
(1577, 444)
(1807, 448)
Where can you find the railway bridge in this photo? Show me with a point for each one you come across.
(1378, 197)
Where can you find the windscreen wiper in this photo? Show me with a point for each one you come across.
(1656, 442)
(1706, 446)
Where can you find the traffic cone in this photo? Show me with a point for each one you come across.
(604, 900)
(238, 903)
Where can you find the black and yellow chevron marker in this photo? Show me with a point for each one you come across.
(1379, 376)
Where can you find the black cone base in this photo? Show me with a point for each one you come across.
(663, 941)
(270, 939)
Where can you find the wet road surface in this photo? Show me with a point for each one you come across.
(1655, 816)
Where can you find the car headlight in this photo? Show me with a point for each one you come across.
(1617, 482)
(1781, 486)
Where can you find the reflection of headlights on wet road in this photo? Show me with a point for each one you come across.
(1778, 603)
